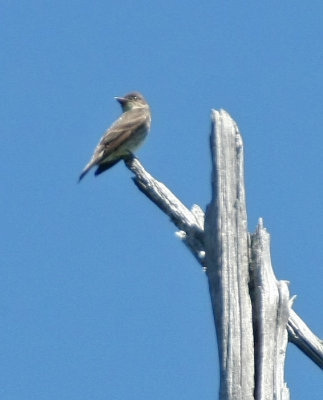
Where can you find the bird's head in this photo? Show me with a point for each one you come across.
(131, 100)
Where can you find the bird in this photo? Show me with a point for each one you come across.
(124, 136)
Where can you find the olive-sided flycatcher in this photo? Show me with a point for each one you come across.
(124, 136)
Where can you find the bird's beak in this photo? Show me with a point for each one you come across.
(121, 100)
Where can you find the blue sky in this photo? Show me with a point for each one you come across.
(99, 299)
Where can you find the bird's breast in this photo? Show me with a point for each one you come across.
(136, 138)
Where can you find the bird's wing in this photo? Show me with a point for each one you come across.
(119, 132)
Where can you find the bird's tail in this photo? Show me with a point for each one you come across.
(85, 170)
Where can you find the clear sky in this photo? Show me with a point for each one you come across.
(99, 299)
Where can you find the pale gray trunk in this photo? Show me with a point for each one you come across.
(252, 310)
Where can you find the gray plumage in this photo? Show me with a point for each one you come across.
(124, 136)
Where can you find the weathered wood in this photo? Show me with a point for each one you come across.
(244, 373)
(189, 222)
(271, 309)
(301, 335)
(226, 253)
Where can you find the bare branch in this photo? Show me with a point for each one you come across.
(189, 222)
(301, 335)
